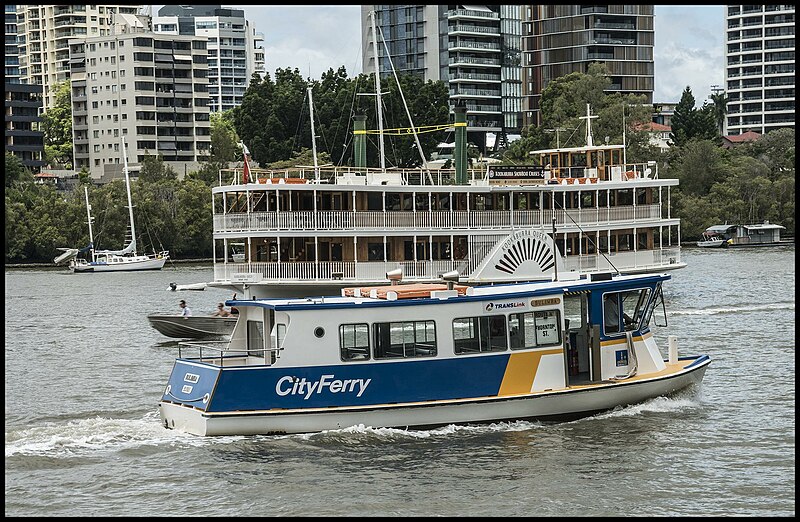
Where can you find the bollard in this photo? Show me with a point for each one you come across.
(673, 349)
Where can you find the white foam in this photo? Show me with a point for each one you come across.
(85, 437)
(735, 309)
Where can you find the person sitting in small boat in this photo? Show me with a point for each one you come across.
(234, 310)
(220, 311)
(185, 311)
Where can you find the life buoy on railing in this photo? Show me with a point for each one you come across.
(281, 181)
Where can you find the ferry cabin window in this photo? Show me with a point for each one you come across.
(354, 342)
(535, 329)
(255, 338)
(651, 306)
(622, 311)
(404, 339)
(480, 334)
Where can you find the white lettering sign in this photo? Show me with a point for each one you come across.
(289, 385)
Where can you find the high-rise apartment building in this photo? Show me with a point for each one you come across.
(22, 103)
(235, 49)
(475, 49)
(151, 89)
(760, 68)
(561, 39)
(22, 135)
(44, 32)
(11, 54)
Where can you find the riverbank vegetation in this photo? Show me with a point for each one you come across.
(749, 183)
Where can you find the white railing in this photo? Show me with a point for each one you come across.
(265, 222)
(332, 271)
(642, 260)
(351, 272)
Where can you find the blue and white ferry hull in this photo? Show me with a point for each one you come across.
(552, 405)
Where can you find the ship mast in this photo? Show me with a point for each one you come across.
(128, 186)
(378, 90)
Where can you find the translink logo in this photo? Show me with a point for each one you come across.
(289, 385)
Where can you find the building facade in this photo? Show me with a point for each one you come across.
(151, 89)
(474, 49)
(235, 49)
(561, 39)
(760, 68)
(23, 137)
(44, 32)
(11, 54)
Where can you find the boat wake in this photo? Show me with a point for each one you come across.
(362, 433)
(97, 435)
(677, 403)
(737, 309)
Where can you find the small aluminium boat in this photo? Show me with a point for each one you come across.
(395, 357)
(711, 240)
(193, 327)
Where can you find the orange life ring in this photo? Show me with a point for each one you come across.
(281, 181)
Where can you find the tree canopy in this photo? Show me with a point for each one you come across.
(690, 123)
(273, 120)
(57, 127)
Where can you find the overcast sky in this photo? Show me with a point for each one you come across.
(689, 48)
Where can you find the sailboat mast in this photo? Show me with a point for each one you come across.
(378, 91)
(313, 133)
(128, 186)
(89, 215)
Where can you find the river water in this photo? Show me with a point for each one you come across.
(84, 372)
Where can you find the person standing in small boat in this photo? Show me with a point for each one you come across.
(185, 310)
(220, 311)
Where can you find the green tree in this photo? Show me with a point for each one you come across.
(57, 126)
(224, 140)
(16, 170)
(153, 169)
(719, 101)
(690, 123)
(274, 122)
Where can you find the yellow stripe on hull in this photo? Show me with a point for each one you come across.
(521, 371)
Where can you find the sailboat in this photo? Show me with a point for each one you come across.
(124, 260)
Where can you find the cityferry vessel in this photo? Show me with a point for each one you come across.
(422, 355)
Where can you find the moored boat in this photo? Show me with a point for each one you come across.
(397, 356)
(193, 327)
(754, 235)
(712, 240)
(125, 260)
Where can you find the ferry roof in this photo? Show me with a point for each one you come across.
(759, 226)
(583, 148)
(332, 187)
(478, 293)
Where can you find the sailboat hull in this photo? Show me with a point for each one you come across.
(121, 264)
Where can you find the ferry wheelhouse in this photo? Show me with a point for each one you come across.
(423, 355)
(309, 231)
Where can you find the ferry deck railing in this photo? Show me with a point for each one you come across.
(441, 220)
(348, 272)
(211, 351)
